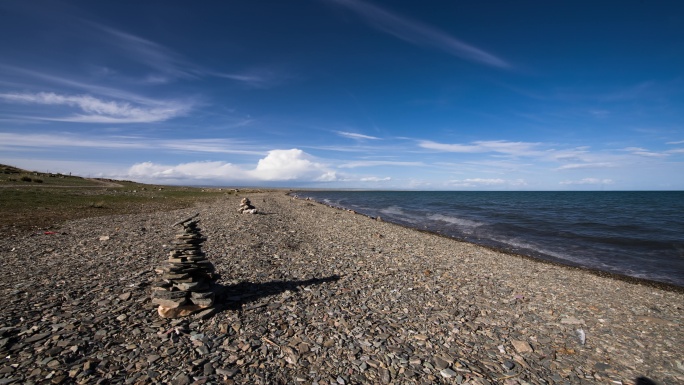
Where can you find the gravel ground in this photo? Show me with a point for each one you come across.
(309, 294)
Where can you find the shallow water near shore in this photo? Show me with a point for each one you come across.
(633, 233)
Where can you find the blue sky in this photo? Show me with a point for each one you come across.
(447, 95)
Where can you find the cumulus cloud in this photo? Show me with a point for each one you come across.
(586, 181)
(293, 164)
(278, 166)
(94, 110)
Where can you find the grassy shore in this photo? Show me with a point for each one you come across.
(34, 201)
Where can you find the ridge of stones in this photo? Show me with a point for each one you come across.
(186, 276)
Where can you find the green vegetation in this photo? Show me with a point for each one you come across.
(27, 206)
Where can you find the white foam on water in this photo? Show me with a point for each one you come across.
(393, 210)
(397, 212)
(461, 222)
(524, 244)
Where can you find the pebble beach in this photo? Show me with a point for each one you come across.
(309, 294)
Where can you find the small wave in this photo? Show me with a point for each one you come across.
(393, 210)
(400, 215)
(455, 220)
(517, 243)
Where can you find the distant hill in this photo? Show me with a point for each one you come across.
(10, 175)
(5, 169)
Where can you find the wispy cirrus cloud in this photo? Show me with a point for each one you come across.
(576, 166)
(644, 152)
(72, 84)
(485, 182)
(353, 135)
(68, 140)
(96, 110)
(587, 181)
(171, 65)
(255, 77)
(484, 146)
(419, 34)
(375, 179)
(152, 54)
(374, 163)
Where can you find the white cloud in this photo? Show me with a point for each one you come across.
(375, 179)
(186, 171)
(255, 77)
(86, 86)
(486, 183)
(574, 166)
(95, 110)
(68, 140)
(291, 165)
(174, 66)
(498, 146)
(678, 142)
(419, 34)
(352, 135)
(586, 181)
(373, 163)
(644, 152)
(148, 52)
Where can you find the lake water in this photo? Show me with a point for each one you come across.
(639, 234)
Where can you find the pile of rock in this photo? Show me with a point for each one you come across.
(246, 207)
(186, 285)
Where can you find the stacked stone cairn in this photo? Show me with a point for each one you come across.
(187, 276)
(246, 207)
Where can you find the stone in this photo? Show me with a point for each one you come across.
(521, 346)
(447, 373)
(203, 302)
(170, 303)
(441, 363)
(571, 321)
(183, 379)
(37, 337)
(167, 294)
(230, 373)
(384, 375)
